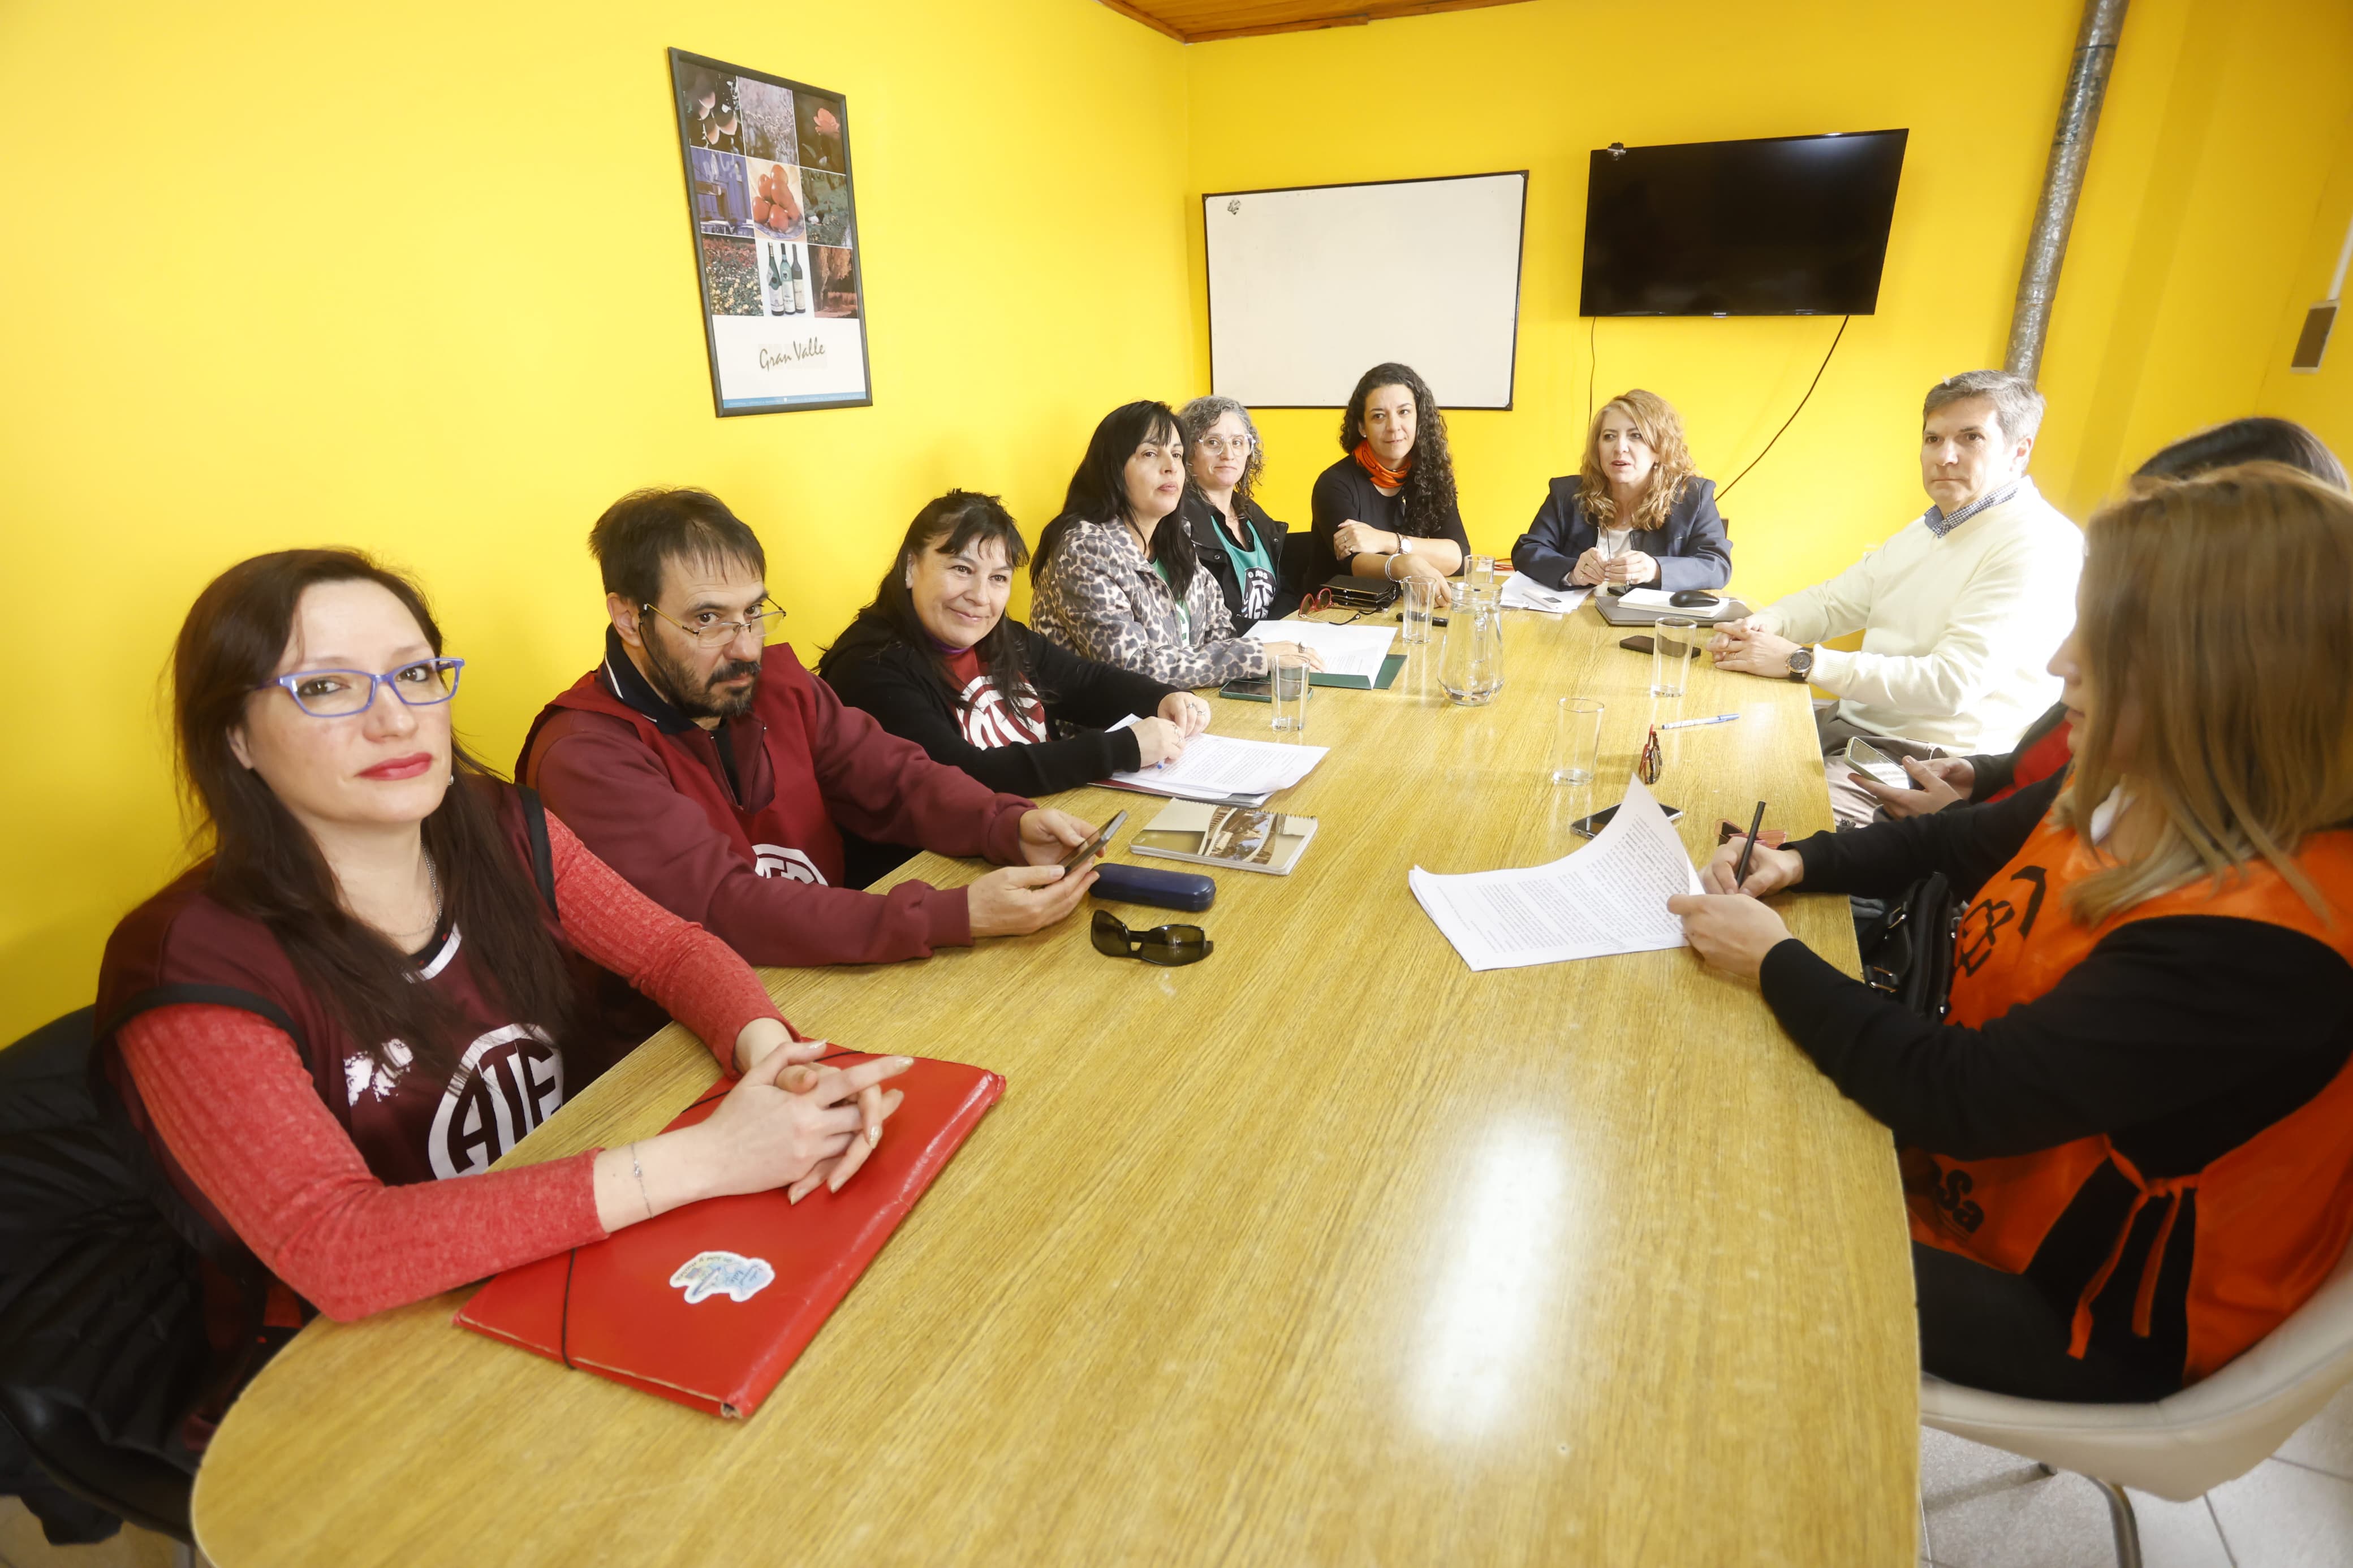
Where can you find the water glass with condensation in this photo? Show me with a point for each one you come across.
(1669, 640)
(1575, 740)
(1287, 675)
(1479, 572)
(1421, 601)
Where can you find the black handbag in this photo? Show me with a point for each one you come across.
(1907, 952)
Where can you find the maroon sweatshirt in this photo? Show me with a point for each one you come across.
(739, 829)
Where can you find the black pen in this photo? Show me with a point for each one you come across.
(1740, 872)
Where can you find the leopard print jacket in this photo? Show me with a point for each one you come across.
(1100, 597)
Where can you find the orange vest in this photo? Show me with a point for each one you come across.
(2269, 1218)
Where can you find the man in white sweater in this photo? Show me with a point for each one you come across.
(1959, 612)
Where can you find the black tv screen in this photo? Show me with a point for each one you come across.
(1783, 226)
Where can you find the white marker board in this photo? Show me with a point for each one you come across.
(1312, 286)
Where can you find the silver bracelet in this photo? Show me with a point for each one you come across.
(639, 1172)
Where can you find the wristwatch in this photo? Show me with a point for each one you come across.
(1405, 545)
(1802, 664)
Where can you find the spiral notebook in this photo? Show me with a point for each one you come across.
(710, 1304)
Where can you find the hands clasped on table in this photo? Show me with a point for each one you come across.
(792, 1122)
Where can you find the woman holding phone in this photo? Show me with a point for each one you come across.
(2123, 1146)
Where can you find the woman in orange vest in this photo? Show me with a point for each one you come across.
(2127, 1149)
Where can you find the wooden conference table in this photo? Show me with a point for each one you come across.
(1326, 1250)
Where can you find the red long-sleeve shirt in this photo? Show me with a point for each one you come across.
(232, 1097)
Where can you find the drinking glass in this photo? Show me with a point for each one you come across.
(1479, 572)
(1420, 602)
(1669, 638)
(1575, 740)
(1287, 675)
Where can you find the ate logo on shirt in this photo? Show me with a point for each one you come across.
(508, 1082)
(988, 721)
(777, 860)
(1258, 592)
(1983, 922)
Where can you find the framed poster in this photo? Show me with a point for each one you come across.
(768, 200)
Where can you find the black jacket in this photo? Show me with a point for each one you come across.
(873, 668)
(1214, 548)
(1690, 550)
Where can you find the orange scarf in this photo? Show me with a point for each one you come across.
(1386, 477)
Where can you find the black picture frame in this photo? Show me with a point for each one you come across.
(722, 150)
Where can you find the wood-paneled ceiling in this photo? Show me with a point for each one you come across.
(1200, 21)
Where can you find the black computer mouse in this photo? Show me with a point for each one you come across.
(1693, 599)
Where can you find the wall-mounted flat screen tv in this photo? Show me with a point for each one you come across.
(1781, 226)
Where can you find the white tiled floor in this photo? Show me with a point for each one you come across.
(1986, 1509)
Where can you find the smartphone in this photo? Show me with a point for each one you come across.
(1260, 689)
(1094, 846)
(1869, 759)
(1589, 825)
(1644, 645)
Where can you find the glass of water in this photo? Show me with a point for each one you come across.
(1419, 604)
(1671, 639)
(1576, 740)
(1479, 572)
(1287, 675)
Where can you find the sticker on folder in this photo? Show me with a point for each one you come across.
(728, 1274)
(628, 1307)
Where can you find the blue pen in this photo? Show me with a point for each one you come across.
(1695, 724)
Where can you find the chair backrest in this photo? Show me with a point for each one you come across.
(1298, 561)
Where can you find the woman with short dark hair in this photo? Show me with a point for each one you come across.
(937, 660)
(1117, 577)
(1387, 509)
(1237, 541)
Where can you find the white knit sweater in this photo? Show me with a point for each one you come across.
(1956, 631)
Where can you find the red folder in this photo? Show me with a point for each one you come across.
(652, 1306)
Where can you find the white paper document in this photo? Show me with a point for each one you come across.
(1609, 897)
(1522, 592)
(1220, 768)
(1347, 650)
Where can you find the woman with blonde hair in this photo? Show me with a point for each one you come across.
(2123, 1143)
(1635, 515)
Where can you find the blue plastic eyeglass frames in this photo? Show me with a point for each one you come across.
(338, 693)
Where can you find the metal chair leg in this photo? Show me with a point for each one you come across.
(2120, 1519)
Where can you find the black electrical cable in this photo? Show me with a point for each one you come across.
(1592, 339)
(1792, 419)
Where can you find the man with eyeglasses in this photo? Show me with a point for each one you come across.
(718, 776)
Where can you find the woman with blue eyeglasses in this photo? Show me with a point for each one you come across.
(386, 971)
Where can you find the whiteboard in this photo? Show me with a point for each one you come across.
(1313, 285)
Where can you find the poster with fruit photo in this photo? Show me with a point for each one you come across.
(770, 199)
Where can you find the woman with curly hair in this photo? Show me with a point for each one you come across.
(1387, 510)
(1233, 538)
(1635, 514)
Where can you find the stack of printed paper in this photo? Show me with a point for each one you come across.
(1222, 769)
(1609, 897)
(1346, 649)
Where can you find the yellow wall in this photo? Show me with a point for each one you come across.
(418, 277)
(420, 280)
(2222, 122)
(2323, 399)
(1537, 86)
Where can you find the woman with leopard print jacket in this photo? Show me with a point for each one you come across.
(1115, 578)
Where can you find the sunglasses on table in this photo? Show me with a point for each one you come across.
(1168, 946)
(1325, 599)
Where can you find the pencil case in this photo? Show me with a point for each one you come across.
(1148, 885)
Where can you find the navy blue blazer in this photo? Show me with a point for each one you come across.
(1690, 550)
